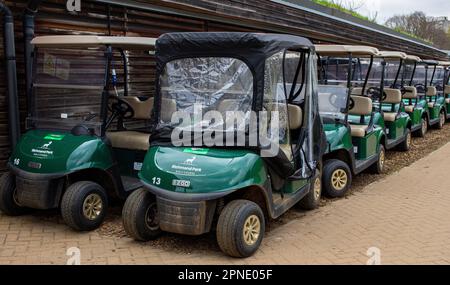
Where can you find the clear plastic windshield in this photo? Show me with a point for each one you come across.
(392, 73)
(67, 88)
(420, 78)
(333, 90)
(407, 74)
(333, 101)
(438, 80)
(192, 87)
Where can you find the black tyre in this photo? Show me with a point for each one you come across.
(406, 144)
(312, 200)
(240, 228)
(336, 178)
(442, 119)
(84, 205)
(140, 216)
(378, 167)
(423, 129)
(8, 201)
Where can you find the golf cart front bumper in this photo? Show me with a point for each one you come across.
(37, 191)
(185, 213)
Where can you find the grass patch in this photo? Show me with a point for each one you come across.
(329, 4)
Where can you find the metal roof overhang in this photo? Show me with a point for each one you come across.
(216, 12)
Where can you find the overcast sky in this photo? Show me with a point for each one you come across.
(388, 8)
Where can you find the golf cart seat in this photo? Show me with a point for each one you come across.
(362, 106)
(393, 96)
(409, 108)
(431, 91)
(447, 89)
(411, 93)
(281, 163)
(129, 140)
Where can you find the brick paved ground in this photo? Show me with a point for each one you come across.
(406, 216)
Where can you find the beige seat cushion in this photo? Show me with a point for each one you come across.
(389, 116)
(412, 92)
(362, 107)
(447, 100)
(358, 131)
(295, 116)
(431, 91)
(295, 113)
(129, 140)
(357, 91)
(430, 104)
(409, 108)
(393, 96)
(447, 89)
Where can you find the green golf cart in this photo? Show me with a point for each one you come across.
(352, 146)
(387, 101)
(83, 86)
(244, 143)
(415, 103)
(426, 81)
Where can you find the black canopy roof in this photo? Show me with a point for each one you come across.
(250, 47)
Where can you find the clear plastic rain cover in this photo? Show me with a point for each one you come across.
(195, 86)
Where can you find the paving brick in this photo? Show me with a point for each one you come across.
(405, 215)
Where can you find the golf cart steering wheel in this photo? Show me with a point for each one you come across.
(121, 107)
(420, 87)
(333, 100)
(351, 104)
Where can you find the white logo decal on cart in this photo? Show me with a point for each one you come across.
(190, 161)
(47, 145)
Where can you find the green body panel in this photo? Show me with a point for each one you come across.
(129, 161)
(436, 109)
(419, 112)
(398, 128)
(378, 120)
(205, 170)
(338, 137)
(369, 145)
(58, 152)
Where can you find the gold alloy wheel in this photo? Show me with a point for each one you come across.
(252, 230)
(381, 160)
(339, 179)
(424, 126)
(317, 188)
(92, 206)
(408, 140)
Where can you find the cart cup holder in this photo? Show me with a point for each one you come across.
(82, 130)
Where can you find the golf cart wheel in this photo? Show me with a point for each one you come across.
(406, 144)
(424, 128)
(336, 179)
(8, 200)
(378, 167)
(140, 216)
(442, 119)
(312, 200)
(84, 205)
(240, 228)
